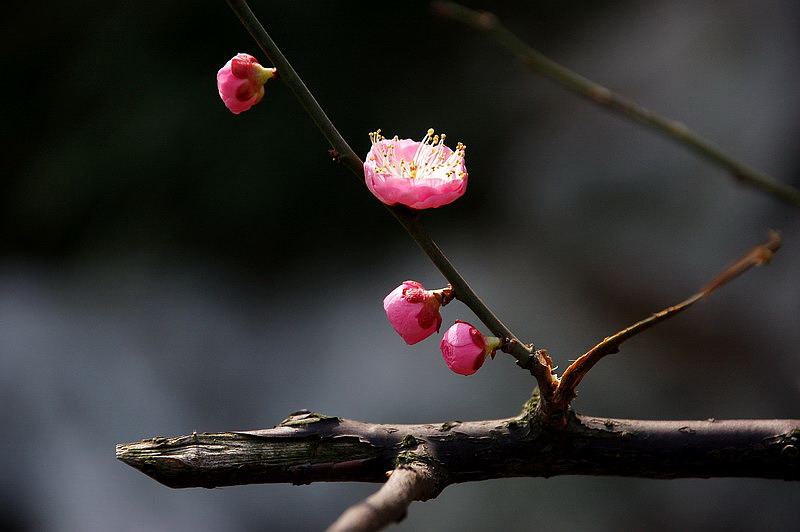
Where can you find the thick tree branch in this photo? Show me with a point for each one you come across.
(309, 447)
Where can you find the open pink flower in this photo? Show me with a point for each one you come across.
(419, 175)
(465, 349)
(241, 82)
(414, 311)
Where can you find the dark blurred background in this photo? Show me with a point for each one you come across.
(168, 267)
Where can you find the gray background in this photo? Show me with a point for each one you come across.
(167, 267)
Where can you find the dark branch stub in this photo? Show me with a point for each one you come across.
(335, 156)
(407, 483)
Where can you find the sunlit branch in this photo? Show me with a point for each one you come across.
(309, 447)
(573, 375)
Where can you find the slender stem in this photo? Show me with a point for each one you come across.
(291, 79)
(600, 95)
(572, 376)
(464, 292)
(409, 219)
(536, 362)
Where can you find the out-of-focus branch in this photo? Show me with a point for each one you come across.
(572, 376)
(488, 23)
(406, 484)
(309, 447)
(526, 356)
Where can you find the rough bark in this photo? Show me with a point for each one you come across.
(309, 447)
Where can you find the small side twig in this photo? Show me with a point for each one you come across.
(406, 484)
(489, 24)
(758, 255)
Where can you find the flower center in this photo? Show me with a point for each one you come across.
(431, 159)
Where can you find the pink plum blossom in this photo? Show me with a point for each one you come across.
(419, 175)
(465, 349)
(241, 82)
(414, 311)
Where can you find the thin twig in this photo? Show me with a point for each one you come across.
(565, 392)
(525, 354)
(488, 23)
(291, 79)
(527, 357)
(406, 484)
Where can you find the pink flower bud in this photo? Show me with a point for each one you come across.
(465, 349)
(414, 311)
(241, 82)
(419, 175)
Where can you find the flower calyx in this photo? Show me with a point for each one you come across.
(241, 82)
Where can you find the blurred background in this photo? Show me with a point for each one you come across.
(168, 267)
